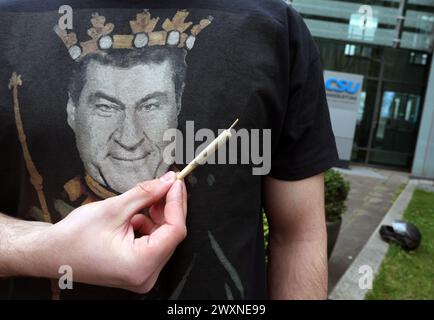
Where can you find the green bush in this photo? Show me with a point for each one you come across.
(336, 193)
(266, 230)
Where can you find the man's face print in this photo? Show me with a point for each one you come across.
(120, 119)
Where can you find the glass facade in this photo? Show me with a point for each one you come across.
(389, 42)
(371, 21)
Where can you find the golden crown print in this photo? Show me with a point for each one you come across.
(175, 32)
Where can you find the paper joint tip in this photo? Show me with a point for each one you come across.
(234, 124)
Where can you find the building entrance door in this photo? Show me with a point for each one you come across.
(389, 114)
(395, 128)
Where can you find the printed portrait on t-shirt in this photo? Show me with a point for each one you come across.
(124, 93)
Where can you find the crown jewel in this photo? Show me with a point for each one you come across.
(144, 34)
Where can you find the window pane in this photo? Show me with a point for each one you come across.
(397, 124)
(407, 71)
(358, 155)
(365, 113)
(350, 58)
(390, 159)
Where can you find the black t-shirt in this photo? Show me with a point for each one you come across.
(249, 59)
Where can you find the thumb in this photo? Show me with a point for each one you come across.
(166, 237)
(145, 194)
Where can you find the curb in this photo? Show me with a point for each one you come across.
(373, 252)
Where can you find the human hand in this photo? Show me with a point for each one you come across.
(98, 240)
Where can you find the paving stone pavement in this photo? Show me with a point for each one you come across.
(371, 196)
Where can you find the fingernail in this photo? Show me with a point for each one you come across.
(168, 177)
(177, 189)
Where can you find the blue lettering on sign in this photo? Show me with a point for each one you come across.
(334, 84)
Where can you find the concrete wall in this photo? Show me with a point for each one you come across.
(423, 164)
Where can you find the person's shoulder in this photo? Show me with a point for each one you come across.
(274, 10)
(279, 11)
(268, 7)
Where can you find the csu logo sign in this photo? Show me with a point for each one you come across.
(338, 85)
